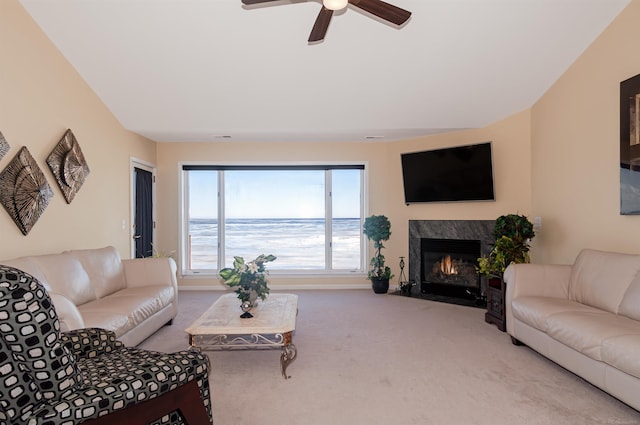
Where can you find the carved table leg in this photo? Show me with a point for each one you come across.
(289, 353)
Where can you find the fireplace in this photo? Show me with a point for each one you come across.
(442, 259)
(448, 267)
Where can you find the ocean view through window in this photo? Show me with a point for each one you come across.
(310, 218)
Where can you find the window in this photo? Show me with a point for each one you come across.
(308, 216)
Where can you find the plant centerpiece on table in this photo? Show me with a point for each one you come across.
(249, 280)
(513, 234)
(377, 228)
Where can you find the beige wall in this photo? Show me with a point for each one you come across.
(42, 96)
(511, 147)
(575, 150)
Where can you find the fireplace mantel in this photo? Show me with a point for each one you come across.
(481, 230)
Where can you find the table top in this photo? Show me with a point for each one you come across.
(276, 314)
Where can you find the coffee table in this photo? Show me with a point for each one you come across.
(272, 326)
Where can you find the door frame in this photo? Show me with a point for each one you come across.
(150, 167)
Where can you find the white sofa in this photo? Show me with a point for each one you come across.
(96, 288)
(585, 317)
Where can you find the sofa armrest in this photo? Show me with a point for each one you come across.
(68, 314)
(90, 342)
(150, 271)
(538, 280)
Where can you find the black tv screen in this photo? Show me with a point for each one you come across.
(461, 173)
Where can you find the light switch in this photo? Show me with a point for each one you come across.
(537, 223)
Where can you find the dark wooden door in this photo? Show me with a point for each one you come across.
(143, 213)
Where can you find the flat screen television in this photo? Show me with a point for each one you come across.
(461, 173)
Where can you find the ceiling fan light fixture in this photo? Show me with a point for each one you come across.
(335, 4)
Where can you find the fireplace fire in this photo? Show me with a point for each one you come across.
(449, 267)
(454, 271)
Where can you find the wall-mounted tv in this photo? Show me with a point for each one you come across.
(460, 173)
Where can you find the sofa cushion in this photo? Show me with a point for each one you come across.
(144, 301)
(106, 319)
(534, 311)
(621, 352)
(630, 305)
(600, 279)
(104, 268)
(127, 308)
(66, 275)
(586, 331)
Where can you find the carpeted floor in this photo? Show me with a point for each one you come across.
(375, 359)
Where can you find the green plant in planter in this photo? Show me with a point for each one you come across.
(513, 233)
(517, 227)
(377, 228)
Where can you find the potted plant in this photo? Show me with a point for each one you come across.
(514, 226)
(249, 280)
(377, 228)
(513, 233)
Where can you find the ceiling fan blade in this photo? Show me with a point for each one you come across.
(256, 1)
(383, 10)
(319, 29)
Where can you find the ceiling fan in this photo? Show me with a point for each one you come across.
(382, 10)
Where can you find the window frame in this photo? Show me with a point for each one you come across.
(183, 207)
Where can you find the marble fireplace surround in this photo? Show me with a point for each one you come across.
(481, 230)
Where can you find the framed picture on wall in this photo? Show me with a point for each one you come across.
(630, 146)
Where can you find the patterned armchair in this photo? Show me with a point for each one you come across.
(87, 376)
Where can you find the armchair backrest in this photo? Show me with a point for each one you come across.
(19, 395)
(30, 338)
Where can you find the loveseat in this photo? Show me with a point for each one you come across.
(585, 317)
(95, 288)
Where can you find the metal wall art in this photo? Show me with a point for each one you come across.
(68, 165)
(24, 191)
(4, 146)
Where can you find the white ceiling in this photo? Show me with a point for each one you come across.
(203, 70)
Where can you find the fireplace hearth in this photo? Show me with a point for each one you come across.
(443, 257)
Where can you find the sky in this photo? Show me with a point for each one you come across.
(268, 194)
